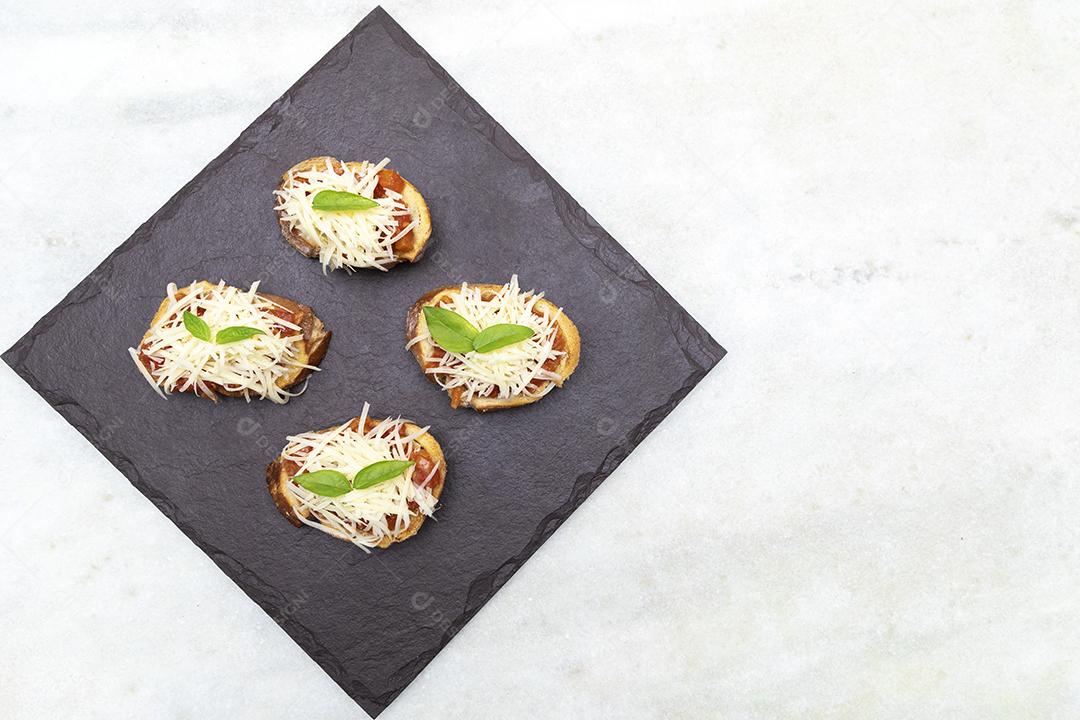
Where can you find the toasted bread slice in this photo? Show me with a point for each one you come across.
(567, 340)
(311, 346)
(430, 468)
(407, 248)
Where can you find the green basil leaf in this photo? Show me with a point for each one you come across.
(501, 335)
(328, 483)
(449, 330)
(236, 333)
(196, 326)
(378, 472)
(338, 201)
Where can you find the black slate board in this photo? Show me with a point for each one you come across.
(372, 621)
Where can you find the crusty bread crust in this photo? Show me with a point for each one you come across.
(408, 249)
(277, 480)
(316, 338)
(415, 325)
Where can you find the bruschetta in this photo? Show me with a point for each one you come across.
(352, 215)
(214, 340)
(492, 346)
(369, 482)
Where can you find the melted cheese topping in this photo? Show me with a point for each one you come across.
(361, 239)
(509, 371)
(180, 362)
(360, 516)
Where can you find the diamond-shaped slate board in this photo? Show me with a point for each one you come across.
(372, 621)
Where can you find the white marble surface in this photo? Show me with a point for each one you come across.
(880, 517)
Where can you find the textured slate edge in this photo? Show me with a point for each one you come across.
(702, 352)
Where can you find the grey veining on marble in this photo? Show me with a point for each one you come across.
(886, 232)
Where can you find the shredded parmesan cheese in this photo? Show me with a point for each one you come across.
(173, 360)
(349, 240)
(509, 371)
(361, 516)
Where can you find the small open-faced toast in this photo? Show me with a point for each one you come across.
(492, 346)
(370, 482)
(216, 340)
(352, 214)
